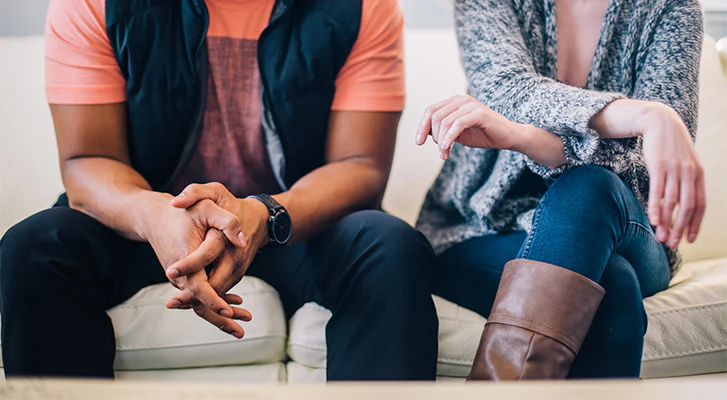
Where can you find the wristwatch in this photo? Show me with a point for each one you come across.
(280, 226)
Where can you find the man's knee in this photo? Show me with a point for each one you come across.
(389, 233)
(397, 252)
(29, 249)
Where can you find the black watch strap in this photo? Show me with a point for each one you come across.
(269, 202)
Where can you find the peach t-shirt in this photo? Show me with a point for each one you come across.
(81, 69)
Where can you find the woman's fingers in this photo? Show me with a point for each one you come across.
(425, 125)
(657, 183)
(212, 247)
(671, 197)
(687, 201)
(463, 119)
(699, 208)
(441, 118)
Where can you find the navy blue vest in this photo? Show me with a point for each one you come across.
(161, 49)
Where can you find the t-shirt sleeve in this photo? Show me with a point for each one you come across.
(80, 67)
(373, 77)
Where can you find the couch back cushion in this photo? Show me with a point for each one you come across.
(712, 149)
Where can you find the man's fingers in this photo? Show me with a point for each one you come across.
(227, 325)
(194, 193)
(699, 209)
(182, 300)
(425, 125)
(214, 216)
(233, 299)
(221, 276)
(657, 182)
(687, 202)
(212, 247)
(185, 300)
(671, 196)
(203, 291)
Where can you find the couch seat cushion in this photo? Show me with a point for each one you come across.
(687, 332)
(148, 336)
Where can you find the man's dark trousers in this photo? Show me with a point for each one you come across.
(60, 270)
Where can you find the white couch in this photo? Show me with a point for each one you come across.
(688, 323)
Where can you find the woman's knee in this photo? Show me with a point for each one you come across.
(590, 183)
(593, 191)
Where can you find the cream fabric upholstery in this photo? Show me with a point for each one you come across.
(687, 333)
(256, 373)
(148, 336)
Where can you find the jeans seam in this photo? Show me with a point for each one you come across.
(642, 226)
(626, 231)
(536, 222)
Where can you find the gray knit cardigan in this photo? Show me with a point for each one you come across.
(648, 49)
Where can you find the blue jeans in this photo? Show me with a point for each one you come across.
(590, 222)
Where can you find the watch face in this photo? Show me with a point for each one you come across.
(282, 227)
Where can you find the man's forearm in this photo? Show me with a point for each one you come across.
(112, 193)
(331, 192)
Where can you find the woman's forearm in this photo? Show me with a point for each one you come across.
(541, 146)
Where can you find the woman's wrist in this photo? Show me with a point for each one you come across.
(656, 118)
(539, 145)
(625, 118)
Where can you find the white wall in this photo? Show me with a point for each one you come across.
(29, 174)
(27, 17)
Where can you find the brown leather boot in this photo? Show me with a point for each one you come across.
(538, 322)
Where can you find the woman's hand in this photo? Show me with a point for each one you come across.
(676, 176)
(465, 120)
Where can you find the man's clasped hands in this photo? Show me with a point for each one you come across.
(206, 240)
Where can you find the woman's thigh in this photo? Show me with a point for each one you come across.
(468, 273)
(588, 215)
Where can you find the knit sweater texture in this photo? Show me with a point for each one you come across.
(648, 49)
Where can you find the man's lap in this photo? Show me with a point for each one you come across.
(122, 266)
